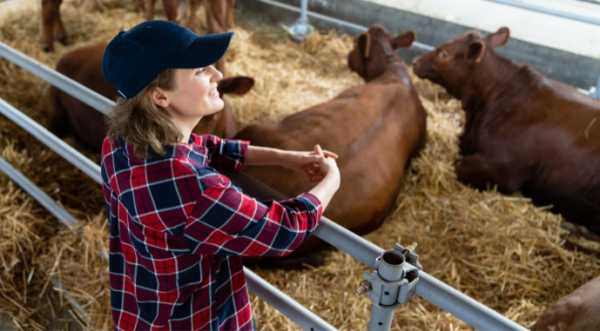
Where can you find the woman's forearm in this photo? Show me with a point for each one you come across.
(258, 155)
(326, 188)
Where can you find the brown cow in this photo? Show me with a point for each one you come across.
(73, 116)
(52, 25)
(219, 15)
(578, 311)
(523, 131)
(375, 128)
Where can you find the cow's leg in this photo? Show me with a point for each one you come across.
(478, 171)
(140, 6)
(216, 16)
(150, 9)
(230, 14)
(49, 12)
(170, 7)
(59, 27)
(216, 20)
(191, 17)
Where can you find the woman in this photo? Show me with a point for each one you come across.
(178, 227)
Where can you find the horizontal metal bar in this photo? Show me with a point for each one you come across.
(435, 291)
(66, 84)
(549, 11)
(47, 202)
(347, 241)
(285, 304)
(355, 28)
(49, 139)
(463, 306)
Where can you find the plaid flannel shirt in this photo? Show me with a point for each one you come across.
(179, 229)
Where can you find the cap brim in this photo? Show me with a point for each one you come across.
(204, 51)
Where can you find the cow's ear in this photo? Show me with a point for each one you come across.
(475, 51)
(499, 38)
(239, 85)
(404, 40)
(364, 44)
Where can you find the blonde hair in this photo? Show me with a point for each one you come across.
(143, 124)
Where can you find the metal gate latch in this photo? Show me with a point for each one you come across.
(393, 282)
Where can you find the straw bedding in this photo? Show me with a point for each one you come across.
(501, 250)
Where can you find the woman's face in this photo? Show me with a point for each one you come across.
(195, 94)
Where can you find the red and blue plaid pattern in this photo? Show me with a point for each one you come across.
(179, 229)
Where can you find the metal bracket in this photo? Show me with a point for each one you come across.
(392, 283)
(301, 28)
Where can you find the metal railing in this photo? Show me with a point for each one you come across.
(428, 287)
(355, 28)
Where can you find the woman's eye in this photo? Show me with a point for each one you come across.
(200, 71)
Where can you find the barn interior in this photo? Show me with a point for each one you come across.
(502, 250)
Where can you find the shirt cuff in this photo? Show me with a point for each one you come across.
(314, 206)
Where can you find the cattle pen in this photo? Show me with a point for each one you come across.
(519, 294)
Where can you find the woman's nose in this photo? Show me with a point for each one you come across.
(216, 74)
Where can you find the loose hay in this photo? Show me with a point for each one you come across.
(499, 249)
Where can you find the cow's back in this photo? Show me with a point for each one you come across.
(549, 134)
(374, 128)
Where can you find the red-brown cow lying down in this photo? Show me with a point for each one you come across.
(523, 132)
(219, 15)
(73, 116)
(578, 311)
(375, 128)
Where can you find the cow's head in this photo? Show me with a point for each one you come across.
(223, 122)
(452, 64)
(374, 49)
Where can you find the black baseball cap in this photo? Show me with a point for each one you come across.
(133, 58)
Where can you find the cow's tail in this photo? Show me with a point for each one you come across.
(58, 123)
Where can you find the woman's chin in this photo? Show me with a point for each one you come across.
(216, 107)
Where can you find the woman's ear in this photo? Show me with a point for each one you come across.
(159, 97)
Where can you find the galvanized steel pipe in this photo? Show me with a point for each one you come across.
(355, 28)
(66, 84)
(55, 209)
(47, 138)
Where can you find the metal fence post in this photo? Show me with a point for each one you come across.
(392, 283)
(301, 29)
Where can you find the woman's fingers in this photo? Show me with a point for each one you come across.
(318, 150)
(330, 154)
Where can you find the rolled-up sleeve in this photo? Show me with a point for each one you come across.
(229, 222)
(226, 154)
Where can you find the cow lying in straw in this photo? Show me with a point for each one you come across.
(375, 128)
(523, 132)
